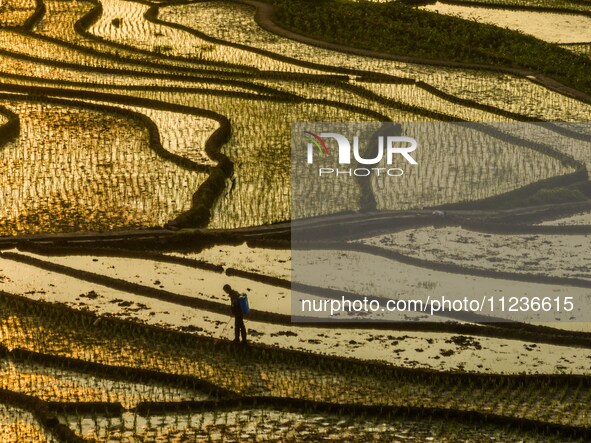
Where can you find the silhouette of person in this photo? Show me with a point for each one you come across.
(239, 328)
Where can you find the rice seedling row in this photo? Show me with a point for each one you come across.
(50, 75)
(275, 55)
(277, 425)
(62, 385)
(112, 177)
(65, 23)
(282, 188)
(235, 23)
(125, 71)
(60, 17)
(181, 134)
(274, 218)
(27, 45)
(17, 425)
(16, 12)
(129, 39)
(132, 29)
(302, 383)
(260, 195)
(359, 342)
(235, 214)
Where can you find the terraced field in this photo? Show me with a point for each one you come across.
(561, 22)
(547, 26)
(145, 162)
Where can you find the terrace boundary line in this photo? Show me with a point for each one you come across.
(310, 406)
(363, 76)
(114, 372)
(42, 414)
(264, 13)
(508, 330)
(153, 132)
(257, 351)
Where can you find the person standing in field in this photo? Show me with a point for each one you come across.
(239, 328)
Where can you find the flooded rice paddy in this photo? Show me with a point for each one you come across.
(19, 425)
(277, 426)
(140, 303)
(560, 256)
(76, 169)
(205, 36)
(547, 26)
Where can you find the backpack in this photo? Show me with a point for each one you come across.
(244, 304)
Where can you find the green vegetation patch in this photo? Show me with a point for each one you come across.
(400, 29)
